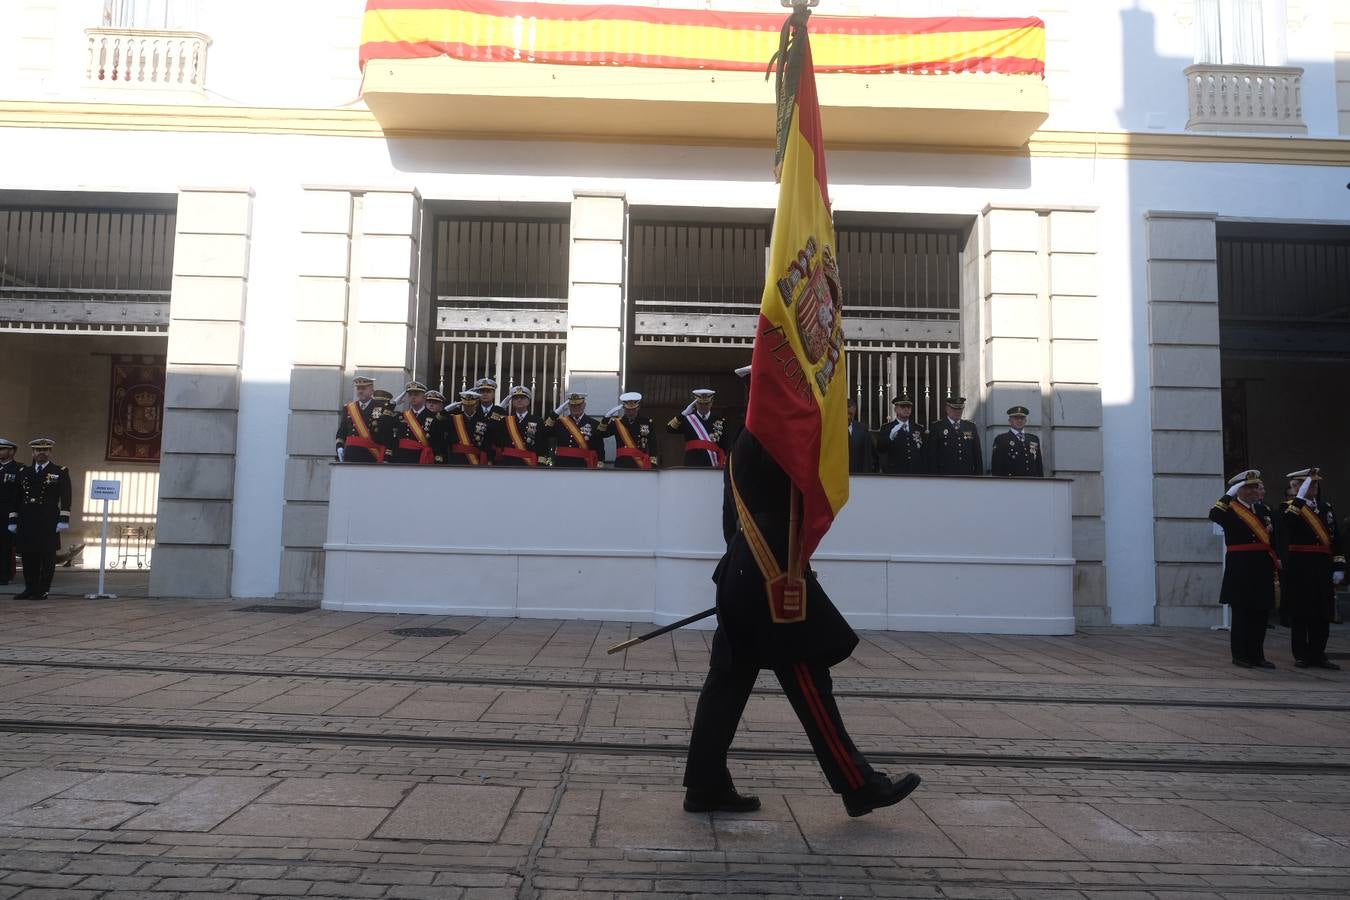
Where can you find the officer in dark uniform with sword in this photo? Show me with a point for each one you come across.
(9, 502)
(42, 514)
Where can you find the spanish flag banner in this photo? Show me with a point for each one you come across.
(648, 37)
(798, 393)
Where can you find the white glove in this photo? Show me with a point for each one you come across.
(1337, 577)
(1233, 491)
(454, 407)
(561, 408)
(614, 412)
(13, 528)
(688, 410)
(342, 454)
(1303, 488)
(896, 429)
(62, 526)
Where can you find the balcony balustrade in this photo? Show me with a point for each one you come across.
(1246, 98)
(150, 59)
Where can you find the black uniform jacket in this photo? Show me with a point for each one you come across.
(1248, 570)
(403, 432)
(1019, 458)
(954, 450)
(1305, 582)
(9, 489)
(862, 454)
(377, 420)
(476, 429)
(639, 429)
(44, 500)
(560, 436)
(903, 454)
(742, 601)
(532, 434)
(718, 433)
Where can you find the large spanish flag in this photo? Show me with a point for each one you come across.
(798, 388)
(644, 36)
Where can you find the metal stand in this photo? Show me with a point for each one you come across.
(102, 560)
(1227, 620)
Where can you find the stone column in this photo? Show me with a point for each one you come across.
(201, 396)
(1183, 332)
(356, 313)
(1039, 326)
(595, 310)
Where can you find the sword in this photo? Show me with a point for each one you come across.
(688, 620)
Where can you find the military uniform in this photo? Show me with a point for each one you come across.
(43, 513)
(706, 437)
(466, 434)
(1017, 453)
(486, 388)
(411, 444)
(517, 439)
(748, 638)
(1250, 570)
(1312, 550)
(9, 502)
(360, 430)
(954, 445)
(862, 454)
(633, 433)
(901, 444)
(577, 439)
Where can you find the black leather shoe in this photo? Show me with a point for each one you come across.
(1263, 664)
(881, 790)
(1242, 663)
(1326, 664)
(24, 595)
(719, 801)
(1301, 664)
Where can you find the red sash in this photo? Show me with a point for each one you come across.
(465, 445)
(592, 460)
(1309, 548)
(630, 447)
(710, 447)
(362, 437)
(419, 440)
(519, 451)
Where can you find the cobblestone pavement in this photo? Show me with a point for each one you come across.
(158, 749)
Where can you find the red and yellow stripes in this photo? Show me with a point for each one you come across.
(508, 31)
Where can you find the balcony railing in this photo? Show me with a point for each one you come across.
(147, 58)
(1245, 98)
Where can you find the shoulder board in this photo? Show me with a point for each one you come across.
(497, 417)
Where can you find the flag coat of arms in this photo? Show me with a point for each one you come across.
(798, 399)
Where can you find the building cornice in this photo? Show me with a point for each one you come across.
(360, 123)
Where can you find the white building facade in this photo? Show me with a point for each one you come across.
(1149, 247)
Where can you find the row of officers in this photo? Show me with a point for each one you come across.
(477, 431)
(1289, 556)
(35, 509)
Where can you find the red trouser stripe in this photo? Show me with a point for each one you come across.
(846, 765)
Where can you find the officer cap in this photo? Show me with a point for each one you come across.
(521, 390)
(743, 371)
(1311, 472)
(436, 395)
(902, 400)
(576, 398)
(382, 394)
(704, 392)
(414, 387)
(630, 397)
(6, 442)
(469, 395)
(362, 381)
(1247, 478)
(485, 383)
(1018, 411)
(955, 402)
(42, 443)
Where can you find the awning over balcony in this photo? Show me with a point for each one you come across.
(445, 66)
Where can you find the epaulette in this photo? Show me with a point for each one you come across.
(497, 417)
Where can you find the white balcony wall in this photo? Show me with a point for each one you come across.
(1111, 66)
